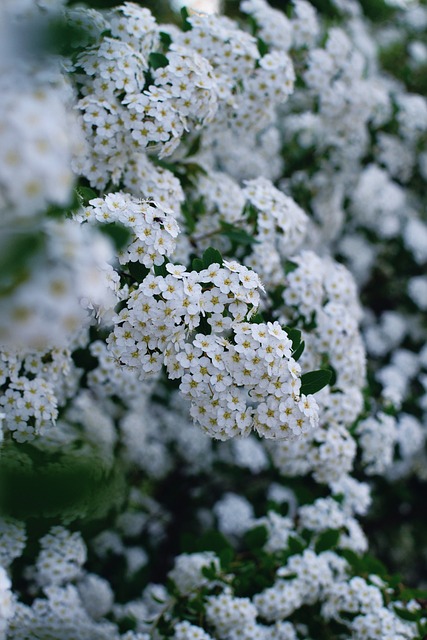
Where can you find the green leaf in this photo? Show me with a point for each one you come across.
(226, 557)
(299, 351)
(352, 558)
(160, 270)
(213, 541)
(258, 318)
(295, 545)
(138, 271)
(118, 233)
(195, 146)
(165, 39)
(237, 235)
(333, 379)
(61, 37)
(197, 265)
(395, 580)
(327, 540)
(83, 359)
(378, 10)
(289, 266)
(55, 211)
(295, 336)
(314, 381)
(157, 60)
(410, 616)
(210, 572)
(256, 538)
(192, 170)
(211, 256)
(186, 25)
(409, 594)
(251, 212)
(369, 564)
(189, 218)
(252, 23)
(85, 194)
(262, 46)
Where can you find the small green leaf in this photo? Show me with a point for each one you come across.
(213, 541)
(83, 359)
(138, 271)
(369, 564)
(160, 270)
(192, 171)
(395, 580)
(61, 37)
(165, 39)
(189, 218)
(299, 351)
(211, 256)
(410, 616)
(197, 265)
(352, 558)
(314, 381)
(333, 379)
(409, 594)
(226, 557)
(195, 146)
(295, 545)
(85, 194)
(262, 46)
(295, 336)
(157, 60)
(289, 266)
(186, 25)
(251, 212)
(56, 211)
(327, 540)
(256, 538)
(210, 572)
(237, 235)
(118, 233)
(258, 318)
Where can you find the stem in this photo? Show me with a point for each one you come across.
(205, 235)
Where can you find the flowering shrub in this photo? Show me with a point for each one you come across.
(213, 372)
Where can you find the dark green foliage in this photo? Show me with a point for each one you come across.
(315, 380)
(236, 234)
(69, 485)
(85, 194)
(211, 256)
(160, 270)
(157, 60)
(118, 233)
(256, 538)
(327, 540)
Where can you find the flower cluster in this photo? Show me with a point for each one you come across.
(238, 375)
(153, 228)
(29, 407)
(61, 557)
